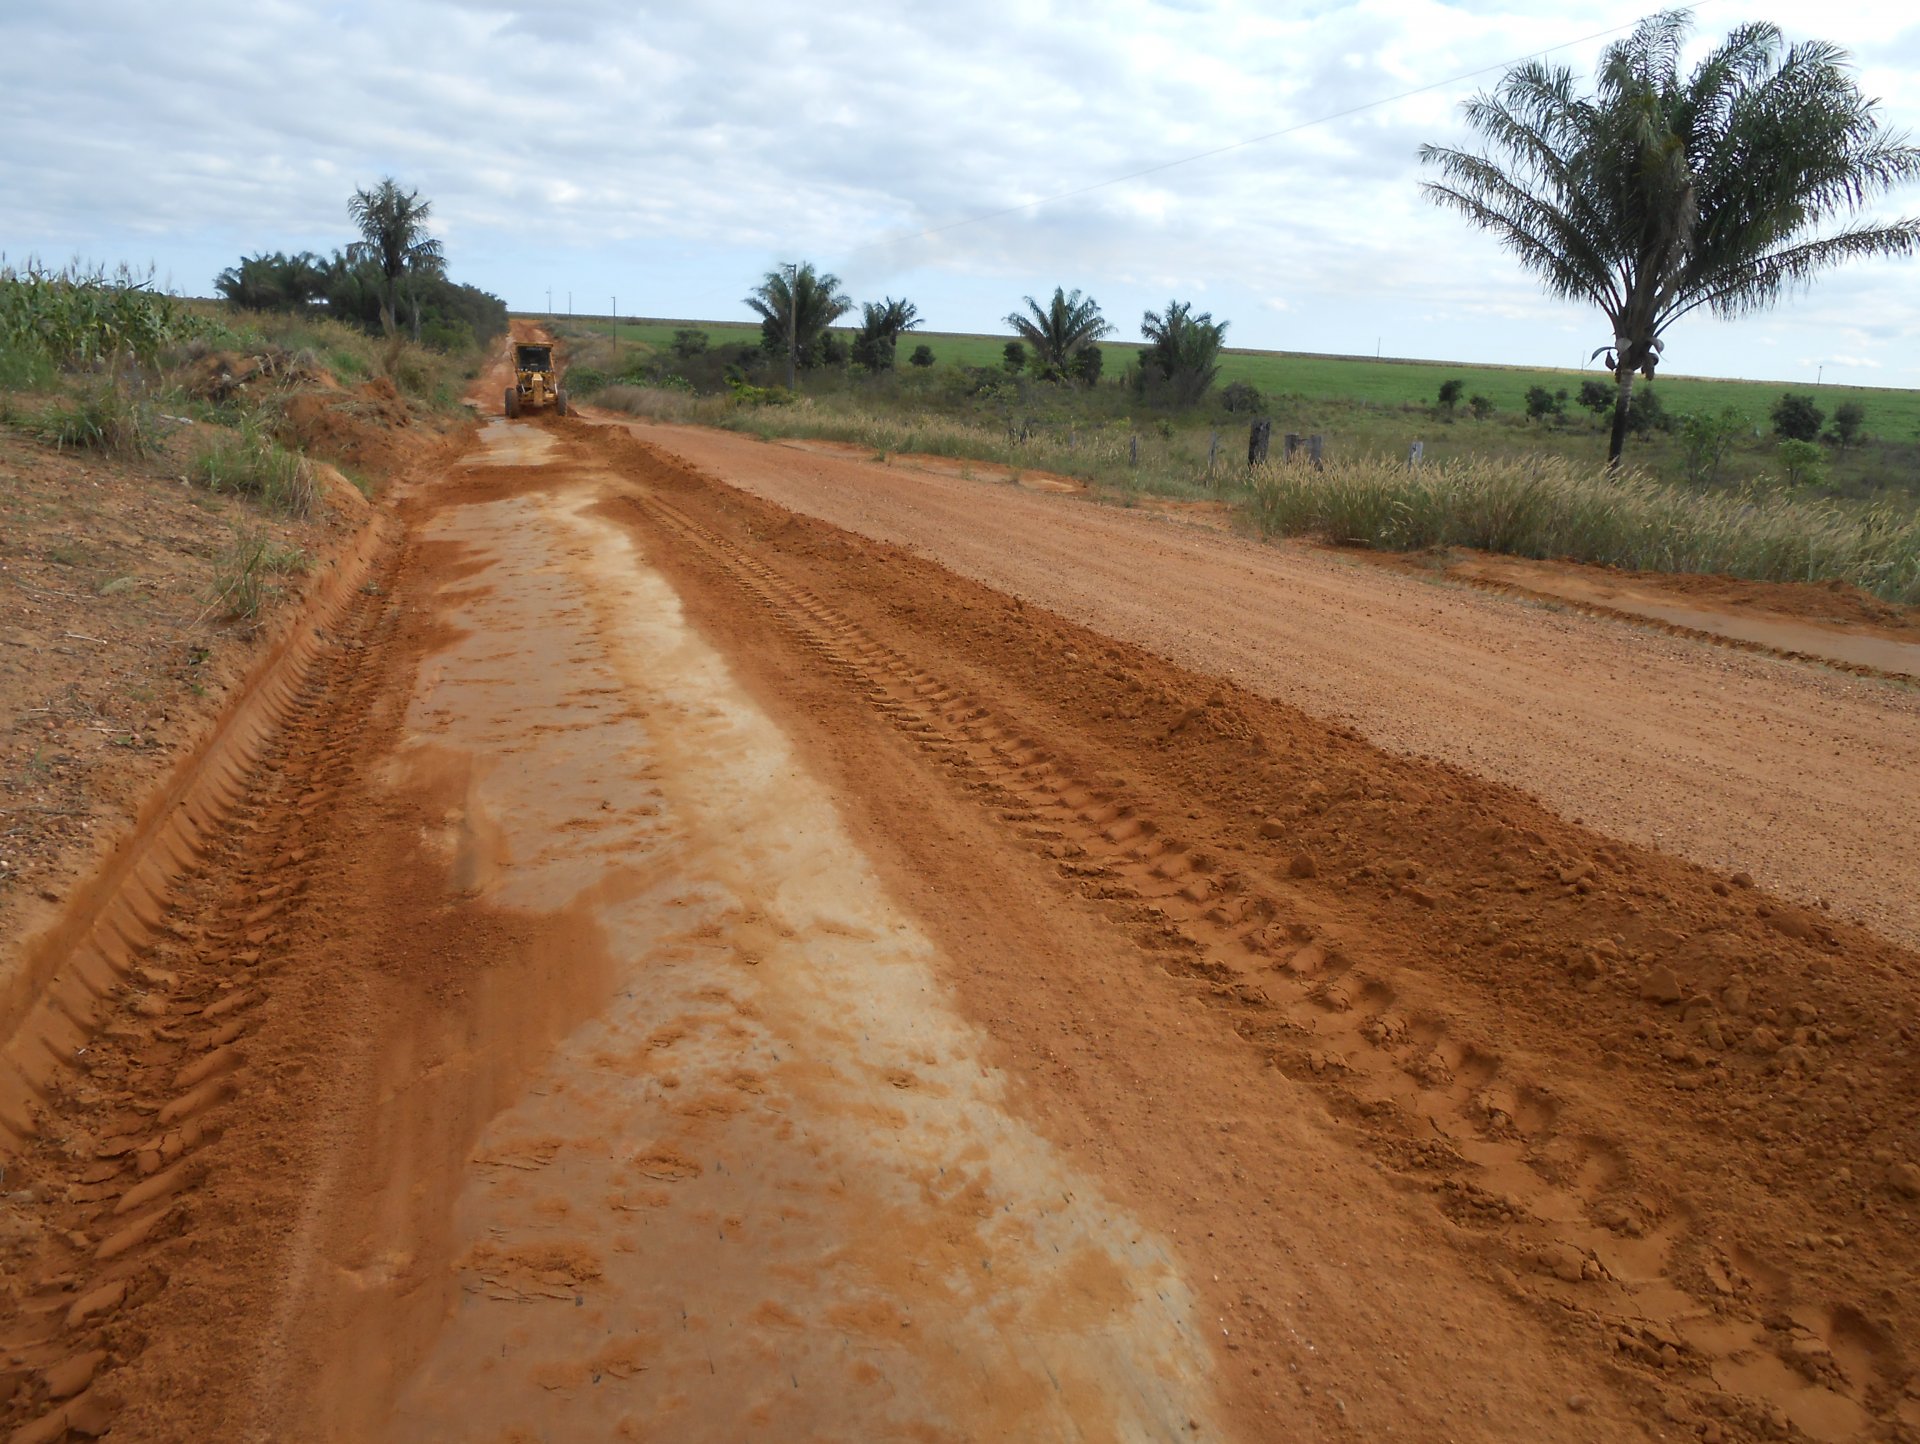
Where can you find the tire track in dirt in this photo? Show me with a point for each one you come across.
(132, 1093)
(1443, 1102)
(1797, 774)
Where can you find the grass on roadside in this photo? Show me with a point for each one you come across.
(245, 571)
(246, 461)
(1551, 508)
(95, 416)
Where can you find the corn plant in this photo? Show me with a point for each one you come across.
(80, 319)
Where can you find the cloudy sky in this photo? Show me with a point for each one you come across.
(960, 155)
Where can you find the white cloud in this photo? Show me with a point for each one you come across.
(672, 153)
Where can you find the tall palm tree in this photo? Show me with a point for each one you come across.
(1183, 350)
(1060, 333)
(393, 230)
(882, 324)
(1658, 195)
(796, 305)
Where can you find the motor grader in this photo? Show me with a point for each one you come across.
(536, 384)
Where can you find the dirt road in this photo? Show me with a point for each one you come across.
(1805, 778)
(684, 970)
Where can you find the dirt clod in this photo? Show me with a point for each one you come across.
(1660, 985)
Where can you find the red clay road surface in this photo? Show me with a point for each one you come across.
(1807, 779)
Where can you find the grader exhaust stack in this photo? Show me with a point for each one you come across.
(536, 385)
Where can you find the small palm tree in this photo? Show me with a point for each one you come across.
(1068, 326)
(882, 324)
(1659, 195)
(796, 306)
(393, 230)
(1182, 351)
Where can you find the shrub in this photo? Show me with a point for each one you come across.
(585, 380)
(1796, 418)
(688, 343)
(746, 394)
(1597, 397)
(922, 355)
(1239, 396)
(1087, 362)
(1481, 406)
(1013, 356)
(1802, 461)
(1848, 419)
(1706, 440)
(1542, 403)
(1450, 393)
(1646, 412)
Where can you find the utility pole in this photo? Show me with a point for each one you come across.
(793, 324)
(549, 303)
(569, 305)
(615, 329)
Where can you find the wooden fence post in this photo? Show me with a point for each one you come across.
(1213, 450)
(1133, 449)
(1315, 446)
(1416, 454)
(1292, 444)
(1258, 437)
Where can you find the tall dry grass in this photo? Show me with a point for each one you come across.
(1545, 507)
(1555, 509)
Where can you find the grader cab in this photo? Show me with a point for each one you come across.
(536, 384)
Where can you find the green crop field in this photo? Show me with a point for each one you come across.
(1892, 415)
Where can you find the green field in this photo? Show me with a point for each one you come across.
(1892, 415)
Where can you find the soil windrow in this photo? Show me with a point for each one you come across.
(1675, 1113)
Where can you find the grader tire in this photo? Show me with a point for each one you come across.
(560, 402)
(513, 401)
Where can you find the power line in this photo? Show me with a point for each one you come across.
(1294, 129)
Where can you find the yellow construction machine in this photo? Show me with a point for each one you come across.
(536, 385)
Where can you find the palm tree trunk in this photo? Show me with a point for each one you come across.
(1622, 404)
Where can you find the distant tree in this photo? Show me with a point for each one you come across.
(1705, 441)
(1182, 355)
(1596, 396)
(1450, 393)
(1542, 403)
(1068, 326)
(1013, 357)
(1802, 461)
(1796, 417)
(882, 323)
(393, 236)
(1659, 195)
(1087, 364)
(1481, 406)
(688, 343)
(274, 282)
(1848, 419)
(922, 355)
(796, 306)
(1648, 414)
